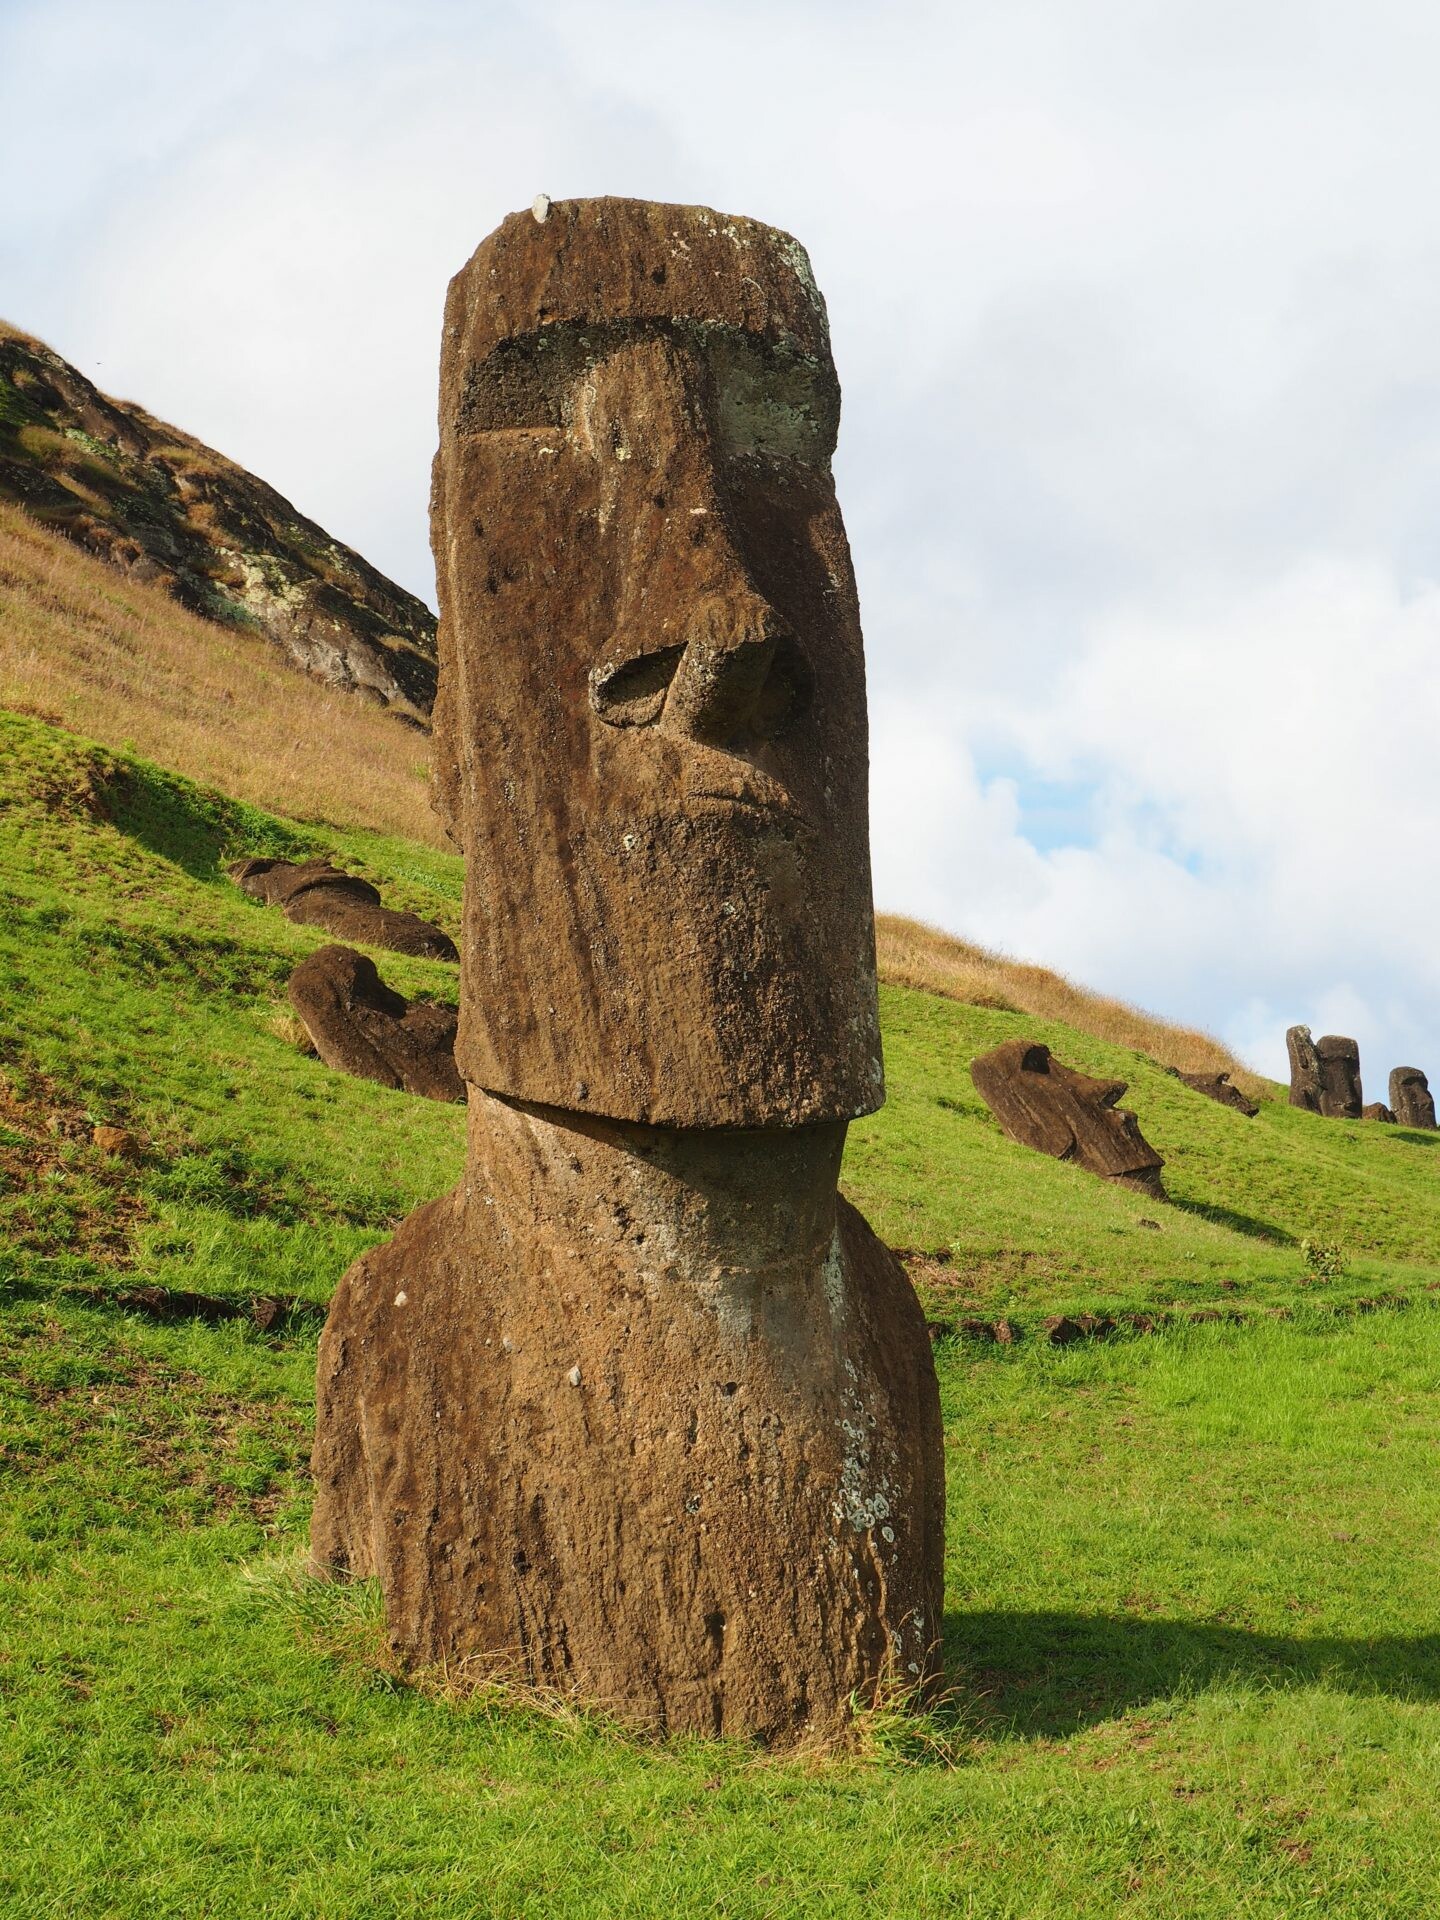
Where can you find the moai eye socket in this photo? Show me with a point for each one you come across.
(633, 693)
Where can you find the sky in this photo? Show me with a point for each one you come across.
(1136, 307)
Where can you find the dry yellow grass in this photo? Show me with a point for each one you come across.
(914, 955)
(89, 648)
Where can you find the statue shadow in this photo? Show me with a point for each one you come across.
(1046, 1675)
(1415, 1136)
(1237, 1222)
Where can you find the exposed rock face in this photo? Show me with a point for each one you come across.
(1340, 1094)
(643, 1409)
(163, 507)
(1377, 1111)
(361, 1026)
(1304, 1069)
(1411, 1098)
(1217, 1086)
(1071, 1116)
(313, 893)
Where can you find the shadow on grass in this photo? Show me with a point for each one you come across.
(1046, 1675)
(1414, 1136)
(193, 828)
(1237, 1222)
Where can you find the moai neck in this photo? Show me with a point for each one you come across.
(738, 1216)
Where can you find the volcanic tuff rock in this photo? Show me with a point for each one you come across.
(1377, 1110)
(1304, 1069)
(1411, 1098)
(1071, 1116)
(159, 504)
(316, 894)
(1340, 1093)
(643, 1410)
(361, 1026)
(1217, 1086)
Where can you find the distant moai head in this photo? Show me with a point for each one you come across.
(1411, 1098)
(1341, 1097)
(650, 735)
(1304, 1069)
(1044, 1104)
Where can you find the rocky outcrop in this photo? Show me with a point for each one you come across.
(1378, 1111)
(163, 507)
(1071, 1116)
(313, 893)
(643, 1411)
(1218, 1086)
(1304, 1069)
(1411, 1098)
(1341, 1097)
(361, 1026)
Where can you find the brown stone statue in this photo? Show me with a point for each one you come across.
(1219, 1087)
(1304, 1069)
(359, 1025)
(1411, 1098)
(1071, 1116)
(1341, 1097)
(643, 1410)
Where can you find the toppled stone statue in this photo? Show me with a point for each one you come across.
(1411, 1098)
(643, 1410)
(361, 1026)
(1042, 1104)
(316, 894)
(1218, 1086)
(1304, 1069)
(1376, 1110)
(1340, 1094)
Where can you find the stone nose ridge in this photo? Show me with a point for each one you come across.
(719, 692)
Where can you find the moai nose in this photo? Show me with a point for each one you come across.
(741, 675)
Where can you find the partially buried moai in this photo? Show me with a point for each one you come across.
(1411, 1098)
(642, 1410)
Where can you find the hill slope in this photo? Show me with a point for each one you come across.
(1190, 1582)
(158, 504)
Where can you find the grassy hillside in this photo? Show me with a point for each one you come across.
(1190, 1620)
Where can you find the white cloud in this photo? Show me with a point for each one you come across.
(1135, 307)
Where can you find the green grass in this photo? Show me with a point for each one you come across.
(1190, 1627)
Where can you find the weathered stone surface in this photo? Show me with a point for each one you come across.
(1341, 1097)
(1042, 1104)
(650, 730)
(1217, 1086)
(1411, 1098)
(360, 1026)
(314, 893)
(1304, 1069)
(646, 1415)
(1376, 1111)
(643, 1410)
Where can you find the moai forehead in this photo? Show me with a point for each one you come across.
(651, 731)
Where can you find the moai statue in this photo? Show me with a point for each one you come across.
(1304, 1069)
(1411, 1098)
(1071, 1116)
(643, 1411)
(1340, 1094)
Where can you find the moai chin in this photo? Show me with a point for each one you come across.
(1411, 1098)
(643, 1411)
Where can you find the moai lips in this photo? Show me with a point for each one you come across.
(1071, 1116)
(643, 1411)
(651, 733)
(1411, 1098)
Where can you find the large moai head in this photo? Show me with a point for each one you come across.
(651, 732)
(1341, 1096)
(1304, 1069)
(1411, 1098)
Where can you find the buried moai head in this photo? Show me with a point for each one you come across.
(1411, 1098)
(651, 731)
(1070, 1115)
(1341, 1097)
(1304, 1069)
